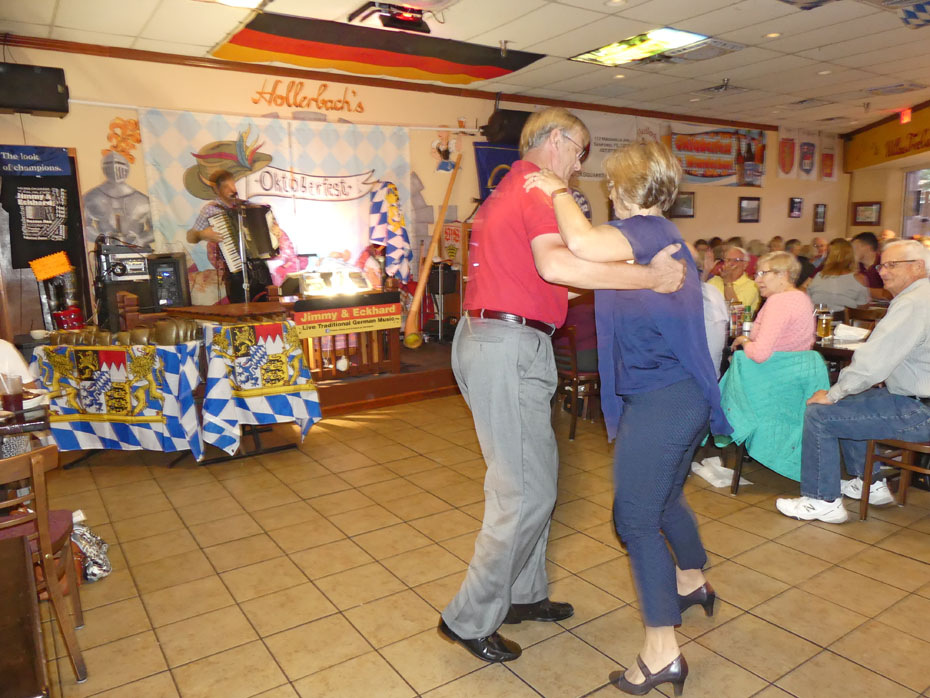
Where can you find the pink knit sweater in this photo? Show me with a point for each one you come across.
(785, 323)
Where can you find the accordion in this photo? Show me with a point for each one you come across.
(259, 242)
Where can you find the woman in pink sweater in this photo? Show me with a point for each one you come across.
(786, 320)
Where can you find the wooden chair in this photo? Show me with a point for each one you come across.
(49, 536)
(864, 315)
(572, 382)
(909, 456)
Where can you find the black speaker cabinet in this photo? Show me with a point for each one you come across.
(444, 275)
(107, 310)
(504, 126)
(33, 89)
(168, 273)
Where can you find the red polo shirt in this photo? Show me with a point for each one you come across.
(502, 273)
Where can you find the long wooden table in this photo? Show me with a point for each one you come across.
(231, 312)
(23, 672)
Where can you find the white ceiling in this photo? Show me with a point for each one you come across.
(860, 45)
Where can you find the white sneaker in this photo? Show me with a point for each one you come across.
(878, 492)
(808, 509)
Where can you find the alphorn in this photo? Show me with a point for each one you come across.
(412, 337)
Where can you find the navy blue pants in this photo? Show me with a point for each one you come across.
(659, 432)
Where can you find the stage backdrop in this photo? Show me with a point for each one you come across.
(321, 180)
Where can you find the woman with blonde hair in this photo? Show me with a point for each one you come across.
(786, 320)
(837, 284)
(658, 394)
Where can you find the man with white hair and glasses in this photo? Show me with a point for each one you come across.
(733, 282)
(844, 418)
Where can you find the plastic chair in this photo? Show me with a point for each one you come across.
(572, 382)
(49, 535)
(898, 454)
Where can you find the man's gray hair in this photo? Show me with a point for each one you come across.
(742, 252)
(915, 250)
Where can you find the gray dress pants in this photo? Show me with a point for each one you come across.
(506, 373)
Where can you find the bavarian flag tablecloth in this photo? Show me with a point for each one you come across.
(255, 375)
(122, 397)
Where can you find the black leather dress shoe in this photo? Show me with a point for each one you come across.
(545, 610)
(493, 648)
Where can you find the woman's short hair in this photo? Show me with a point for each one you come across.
(644, 174)
(782, 261)
(541, 123)
(840, 258)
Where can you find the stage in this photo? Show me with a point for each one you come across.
(424, 373)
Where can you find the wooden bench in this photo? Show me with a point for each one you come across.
(23, 672)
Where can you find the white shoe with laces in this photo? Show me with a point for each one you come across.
(878, 492)
(809, 509)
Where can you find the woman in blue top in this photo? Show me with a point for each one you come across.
(659, 394)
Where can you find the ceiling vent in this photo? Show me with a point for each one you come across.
(896, 89)
(724, 89)
(807, 104)
(702, 51)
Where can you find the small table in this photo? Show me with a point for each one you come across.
(231, 312)
(22, 654)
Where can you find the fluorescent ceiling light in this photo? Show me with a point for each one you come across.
(640, 46)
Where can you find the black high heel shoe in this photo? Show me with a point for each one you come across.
(704, 595)
(675, 674)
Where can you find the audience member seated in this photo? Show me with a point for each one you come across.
(845, 417)
(865, 250)
(581, 315)
(786, 321)
(716, 323)
(777, 244)
(807, 269)
(819, 255)
(836, 285)
(733, 282)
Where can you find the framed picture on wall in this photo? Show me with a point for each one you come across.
(749, 208)
(820, 217)
(683, 206)
(794, 207)
(867, 213)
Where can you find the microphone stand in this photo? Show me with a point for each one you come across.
(242, 249)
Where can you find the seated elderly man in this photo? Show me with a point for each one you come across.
(733, 282)
(853, 411)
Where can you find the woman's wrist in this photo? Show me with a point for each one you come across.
(557, 192)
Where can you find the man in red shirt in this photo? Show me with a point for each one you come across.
(503, 362)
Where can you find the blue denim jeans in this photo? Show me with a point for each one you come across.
(846, 427)
(659, 432)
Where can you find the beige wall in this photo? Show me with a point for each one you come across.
(882, 184)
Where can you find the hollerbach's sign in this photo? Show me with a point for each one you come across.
(291, 95)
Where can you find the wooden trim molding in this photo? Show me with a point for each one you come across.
(303, 74)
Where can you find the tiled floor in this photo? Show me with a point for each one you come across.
(321, 573)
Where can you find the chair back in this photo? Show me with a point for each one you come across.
(566, 353)
(864, 316)
(28, 470)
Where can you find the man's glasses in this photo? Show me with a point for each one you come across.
(891, 265)
(734, 261)
(582, 150)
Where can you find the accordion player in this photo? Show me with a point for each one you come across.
(218, 224)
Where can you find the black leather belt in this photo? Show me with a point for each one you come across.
(925, 400)
(510, 317)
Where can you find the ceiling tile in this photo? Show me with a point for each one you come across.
(601, 5)
(107, 16)
(187, 22)
(738, 15)
(333, 10)
(843, 31)
(29, 11)
(88, 37)
(672, 12)
(24, 29)
(470, 18)
(557, 72)
(888, 51)
(532, 28)
(800, 22)
(604, 31)
(717, 68)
